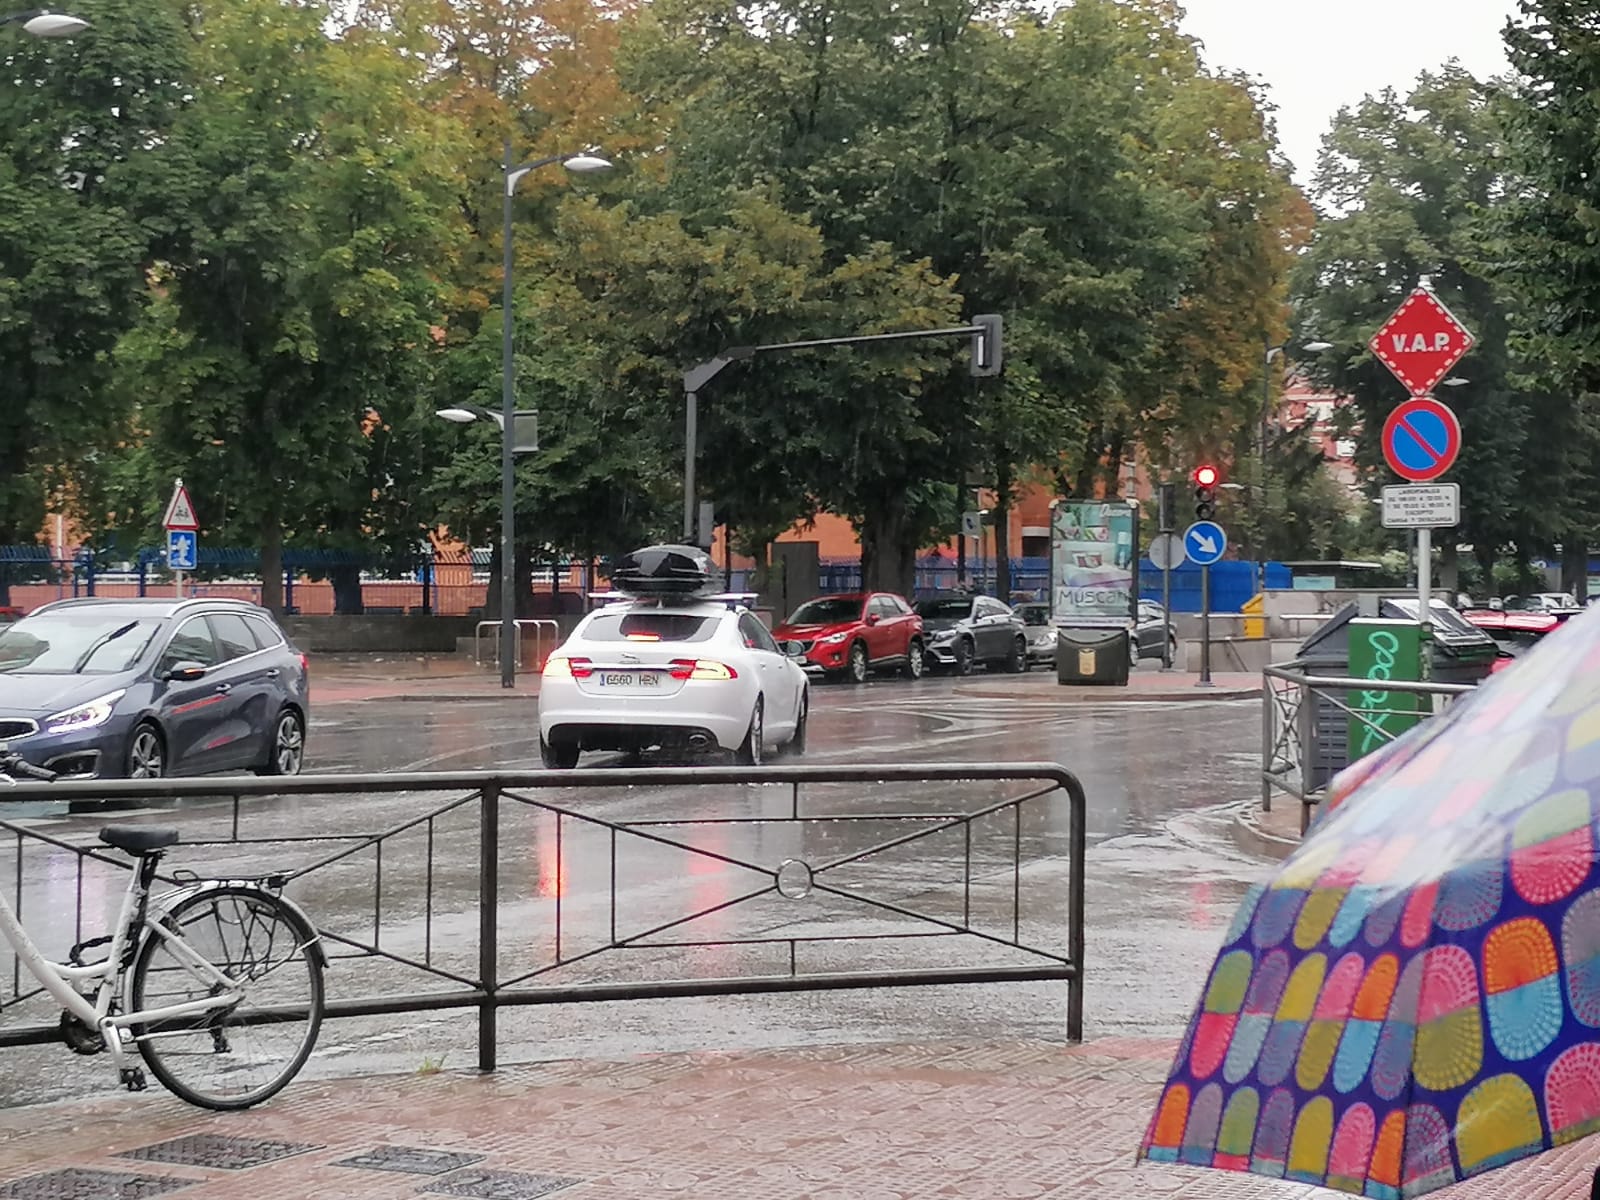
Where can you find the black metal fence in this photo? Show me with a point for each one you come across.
(486, 890)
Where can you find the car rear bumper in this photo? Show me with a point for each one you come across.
(567, 714)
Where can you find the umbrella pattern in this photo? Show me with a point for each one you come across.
(1414, 998)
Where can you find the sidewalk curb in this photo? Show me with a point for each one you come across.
(1248, 816)
(1070, 694)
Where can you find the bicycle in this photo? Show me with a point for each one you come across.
(199, 981)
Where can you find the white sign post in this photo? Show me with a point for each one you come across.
(180, 519)
(1422, 506)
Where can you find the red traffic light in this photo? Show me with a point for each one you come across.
(1205, 476)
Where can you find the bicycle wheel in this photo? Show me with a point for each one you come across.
(232, 1057)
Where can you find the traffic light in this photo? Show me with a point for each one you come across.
(1167, 507)
(987, 352)
(1205, 492)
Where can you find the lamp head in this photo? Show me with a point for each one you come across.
(584, 164)
(459, 415)
(1317, 347)
(54, 25)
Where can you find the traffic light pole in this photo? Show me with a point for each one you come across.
(1205, 628)
(1166, 501)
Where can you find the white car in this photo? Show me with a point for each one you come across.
(683, 673)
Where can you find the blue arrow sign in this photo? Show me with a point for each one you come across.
(1204, 542)
(183, 549)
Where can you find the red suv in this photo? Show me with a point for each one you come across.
(847, 636)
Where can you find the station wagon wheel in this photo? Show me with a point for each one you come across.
(147, 755)
(287, 750)
(856, 672)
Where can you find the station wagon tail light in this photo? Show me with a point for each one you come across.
(700, 668)
(568, 668)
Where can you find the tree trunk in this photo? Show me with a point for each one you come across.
(1002, 533)
(1093, 445)
(347, 598)
(491, 598)
(1575, 568)
(522, 587)
(889, 549)
(1485, 555)
(271, 563)
(1449, 569)
(1114, 452)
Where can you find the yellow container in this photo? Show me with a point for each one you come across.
(1255, 619)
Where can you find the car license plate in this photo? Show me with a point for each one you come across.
(629, 679)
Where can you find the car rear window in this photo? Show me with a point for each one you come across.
(945, 609)
(1034, 614)
(651, 627)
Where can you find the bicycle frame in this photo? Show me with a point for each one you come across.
(58, 979)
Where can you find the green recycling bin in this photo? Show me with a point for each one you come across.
(1093, 655)
(1381, 650)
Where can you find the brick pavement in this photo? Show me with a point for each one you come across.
(1009, 1120)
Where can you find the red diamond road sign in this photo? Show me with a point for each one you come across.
(1421, 342)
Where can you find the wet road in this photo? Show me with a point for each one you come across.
(1165, 869)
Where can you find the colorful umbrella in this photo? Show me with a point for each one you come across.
(1414, 998)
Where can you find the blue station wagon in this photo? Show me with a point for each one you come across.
(140, 689)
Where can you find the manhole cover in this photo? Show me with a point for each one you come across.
(77, 1184)
(410, 1160)
(218, 1151)
(498, 1185)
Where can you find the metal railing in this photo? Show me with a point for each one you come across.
(1305, 724)
(783, 867)
(540, 626)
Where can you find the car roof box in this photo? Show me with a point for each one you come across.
(664, 571)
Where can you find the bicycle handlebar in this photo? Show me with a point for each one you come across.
(13, 766)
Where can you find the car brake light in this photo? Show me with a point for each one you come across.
(644, 637)
(305, 664)
(568, 668)
(700, 668)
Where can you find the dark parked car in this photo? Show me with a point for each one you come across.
(1154, 629)
(145, 688)
(963, 630)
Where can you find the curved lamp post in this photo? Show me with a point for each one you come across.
(506, 418)
(44, 24)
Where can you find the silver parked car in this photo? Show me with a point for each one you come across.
(1152, 629)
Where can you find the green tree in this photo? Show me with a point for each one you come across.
(80, 123)
(1405, 182)
(1544, 250)
(945, 131)
(285, 343)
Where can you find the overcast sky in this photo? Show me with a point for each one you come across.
(1318, 57)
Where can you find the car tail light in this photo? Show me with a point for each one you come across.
(700, 668)
(568, 668)
(305, 664)
(644, 637)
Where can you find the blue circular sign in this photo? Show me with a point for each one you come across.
(1204, 542)
(1421, 439)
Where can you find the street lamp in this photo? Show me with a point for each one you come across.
(507, 417)
(1269, 353)
(43, 24)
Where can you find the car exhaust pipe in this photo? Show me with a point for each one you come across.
(698, 741)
